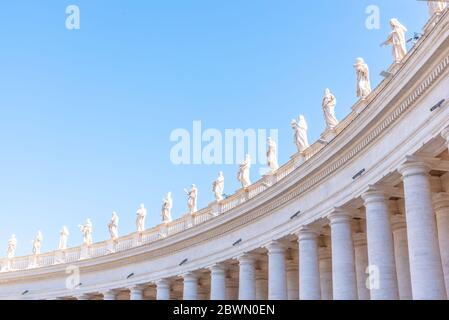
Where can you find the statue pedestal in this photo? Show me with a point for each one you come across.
(59, 257)
(189, 220)
(215, 208)
(111, 245)
(137, 239)
(163, 231)
(243, 195)
(85, 252)
(298, 159)
(7, 266)
(270, 179)
(329, 135)
(32, 263)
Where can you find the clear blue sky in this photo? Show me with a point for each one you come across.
(86, 115)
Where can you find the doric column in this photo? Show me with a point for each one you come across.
(344, 282)
(277, 277)
(136, 293)
(325, 273)
(247, 277)
(441, 203)
(261, 284)
(425, 260)
(292, 279)
(109, 295)
(218, 282)
(401, 256)
(361, 265)
(380, 245)
(309, 272)
(163, 289)
(190, 291)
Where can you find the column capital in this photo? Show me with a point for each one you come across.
(374, 194)
(307, 233)
(190, 276)
(218, 268)
(247, 258)
(275, 246)
(412, 168)
(440, 201)
(108, 294)
(340, 215)
(445, 134)
(163, 283)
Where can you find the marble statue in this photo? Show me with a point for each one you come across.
(244, 172)
(397, 40)
(86, 230)
(12, 246)
(140, 220)
(329, 103)
(272, 156)
(218, 187)
(113, 226)
(436, 7)
(37, 243)
(363, 79)
(63, 237)
(192, 199)
(300, 129)
(167, 205)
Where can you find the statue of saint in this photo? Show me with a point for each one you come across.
(436, 7)
(167, 205)
(12, 246)
(37, 243)
(329, 103)
(397, 40)
(113, 226)
(244, 172)
(140, 220)
(218, 187)
(363, 79)
(192, 199)
(272, 157)
(63, 237)
(86, 230)
(300, 130)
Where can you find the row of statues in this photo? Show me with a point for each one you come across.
(396, 39)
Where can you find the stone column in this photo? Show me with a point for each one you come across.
(136, 293)
(325, 273)
(218, 282)
(344, 282)
(380, 246)
(261, 285)
(277, 277)
(190, 291)
(292, 280)
(361, 265)
(109, 295)
(425, 260)
(247, 277)
(163, 289)
(309, 272)
(401, 256)
(441, 203)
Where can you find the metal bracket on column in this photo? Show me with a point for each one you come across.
(359, 174)
(438, 105)
(130, 275)
(183, 262)
(296, 215)
(239, 241)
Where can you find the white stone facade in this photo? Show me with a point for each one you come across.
(374, 199)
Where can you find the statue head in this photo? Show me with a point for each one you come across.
(327, 92)
(359, 61)
(395, 24)
(220, 174)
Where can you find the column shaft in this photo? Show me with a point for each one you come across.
(309, 272)
(247, 277)
(190, 286)
(344, 281)
(425, 260)
(163, 290)
(218, 282)
(277, 277)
